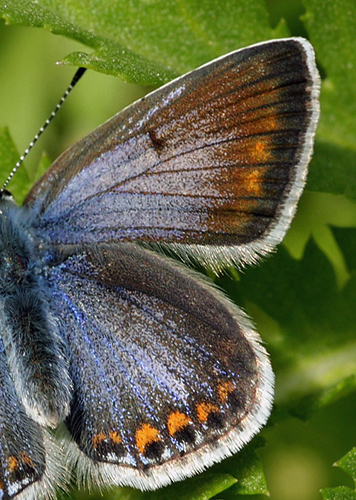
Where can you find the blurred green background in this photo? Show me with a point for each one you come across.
(299, 456)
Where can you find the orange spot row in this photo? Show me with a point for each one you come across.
(176, 422)
(115, 437)
(26, 459)
(100, 437)
(146, 434)
(204, 409)
(262, 152)
(225, 389)
(254, 183)
(13, 463)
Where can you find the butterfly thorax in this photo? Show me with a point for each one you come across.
(16, 247)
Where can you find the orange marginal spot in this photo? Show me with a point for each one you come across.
(204, 410)
(146, 434)
(270, 124)
(13, 463)
(262, 152)
(115, 437)
(26, 459)
(176, 422)
(225, 389)
(254, 182)
(98, 438)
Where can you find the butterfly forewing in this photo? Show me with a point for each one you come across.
(217, 157)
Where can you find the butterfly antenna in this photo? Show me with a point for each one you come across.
(79, 73)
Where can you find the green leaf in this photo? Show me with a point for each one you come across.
(346, 239)
(347, 464)
(333, 33)
(109, 57)
(339, 493)
(8, 158)
(196, 488)
(308, 405)
(8, 153)
(142, 41)
(247, 468)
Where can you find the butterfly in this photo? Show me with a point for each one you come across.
(148, 372)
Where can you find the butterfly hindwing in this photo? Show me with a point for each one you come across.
(161, 374)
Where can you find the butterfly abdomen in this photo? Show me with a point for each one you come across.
(35, 351)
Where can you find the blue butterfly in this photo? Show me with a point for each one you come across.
(148, 371)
